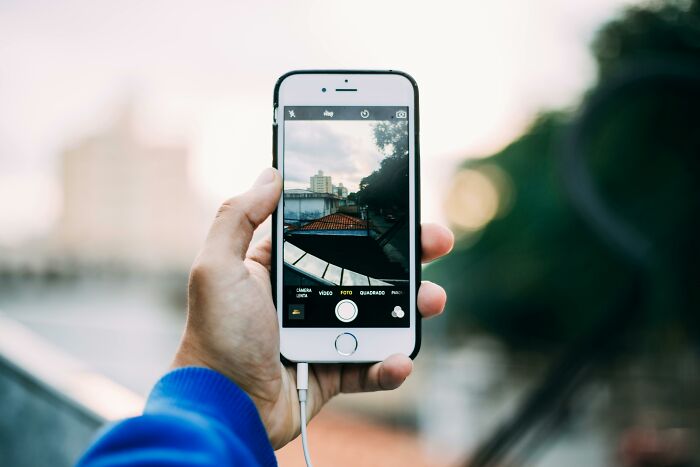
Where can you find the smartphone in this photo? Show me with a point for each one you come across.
(346, 232)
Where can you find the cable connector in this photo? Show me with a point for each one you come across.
(302, 388)
(302, 376)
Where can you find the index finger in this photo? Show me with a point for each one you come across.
(436, 241)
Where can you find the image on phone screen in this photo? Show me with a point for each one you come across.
(346, 221)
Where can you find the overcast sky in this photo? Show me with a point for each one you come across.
(345, 150)
(202, 74)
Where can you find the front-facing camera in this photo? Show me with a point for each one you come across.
(323, 89)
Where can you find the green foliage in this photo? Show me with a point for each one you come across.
(533, 276)
(659, 28)
(387, 187)
(538, 275)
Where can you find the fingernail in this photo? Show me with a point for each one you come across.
(265, 177)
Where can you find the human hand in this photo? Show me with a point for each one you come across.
(232, 323)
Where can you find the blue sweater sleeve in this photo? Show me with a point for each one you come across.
(194, 416)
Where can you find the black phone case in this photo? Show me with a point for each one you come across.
(416, 133)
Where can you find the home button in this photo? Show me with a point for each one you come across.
(346, 344)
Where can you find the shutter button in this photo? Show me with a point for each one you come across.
(346, 311)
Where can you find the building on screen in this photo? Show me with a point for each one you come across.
(320, 183)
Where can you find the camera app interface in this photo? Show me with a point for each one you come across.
(346, 217)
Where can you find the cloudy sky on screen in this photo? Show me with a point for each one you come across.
(345, 150)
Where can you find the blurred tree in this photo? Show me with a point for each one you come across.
(670, 28)
(537, 275)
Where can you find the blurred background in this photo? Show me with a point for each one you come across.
(560, 140)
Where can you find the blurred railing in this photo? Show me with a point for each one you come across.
(50, 404)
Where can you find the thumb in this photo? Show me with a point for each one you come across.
(238, 217)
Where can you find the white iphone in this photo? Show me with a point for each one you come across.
(346, 233)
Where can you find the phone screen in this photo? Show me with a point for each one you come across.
(346, 233)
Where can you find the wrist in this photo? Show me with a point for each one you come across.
(204, 393)
(188, 355)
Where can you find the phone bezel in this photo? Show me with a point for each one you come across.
(374, 88)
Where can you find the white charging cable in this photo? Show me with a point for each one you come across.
(302, 388)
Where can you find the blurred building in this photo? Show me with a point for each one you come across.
(340, 190)
(127, 203)
(320, 183)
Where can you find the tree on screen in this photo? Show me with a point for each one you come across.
(387, 187)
